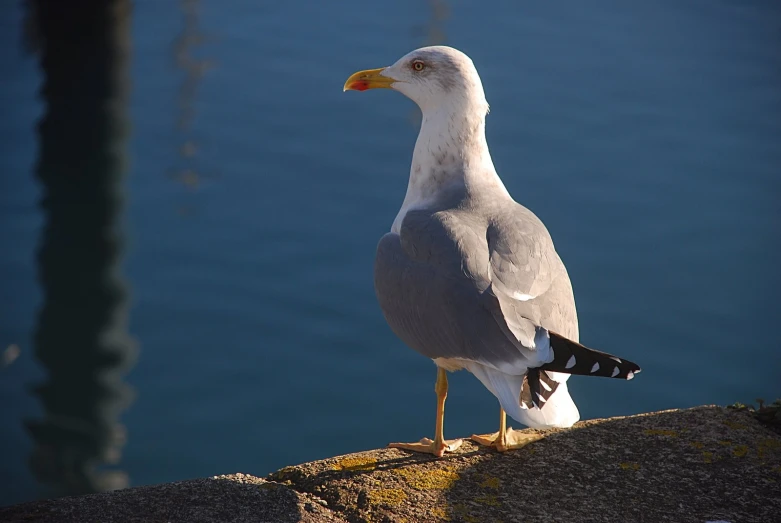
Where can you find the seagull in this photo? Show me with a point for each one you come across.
(469, 277)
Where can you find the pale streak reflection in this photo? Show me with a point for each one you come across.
(434, 34)
(186, 51)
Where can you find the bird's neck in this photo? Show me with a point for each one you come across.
(451, 153)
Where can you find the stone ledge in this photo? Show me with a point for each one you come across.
(701, 464)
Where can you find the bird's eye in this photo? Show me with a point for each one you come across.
(417, 65)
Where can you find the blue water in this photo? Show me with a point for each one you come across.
(202, 301)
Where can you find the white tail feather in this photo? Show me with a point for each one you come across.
(559, 411)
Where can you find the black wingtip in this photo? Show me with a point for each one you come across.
(537, 389)
(571, 357)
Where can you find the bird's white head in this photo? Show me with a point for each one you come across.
(451, 151)
(432, 77)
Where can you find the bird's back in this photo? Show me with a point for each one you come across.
(434, 279)
(554, 309)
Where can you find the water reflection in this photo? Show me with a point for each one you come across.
(185, 48)
(432, 33)
(81, 336)
(436, 30)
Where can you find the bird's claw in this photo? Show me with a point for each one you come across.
(514, 439)
(429, 446)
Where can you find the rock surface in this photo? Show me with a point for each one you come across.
(702, 464)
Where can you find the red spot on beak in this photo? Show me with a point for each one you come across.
(360, 85)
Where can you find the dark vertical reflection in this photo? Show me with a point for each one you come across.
(81, 337)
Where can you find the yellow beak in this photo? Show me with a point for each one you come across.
(369, 79)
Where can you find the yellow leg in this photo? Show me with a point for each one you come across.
(440, 445)
(506, 439)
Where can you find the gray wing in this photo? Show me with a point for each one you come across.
(445, 285)
(527, 276)
(522, 257)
